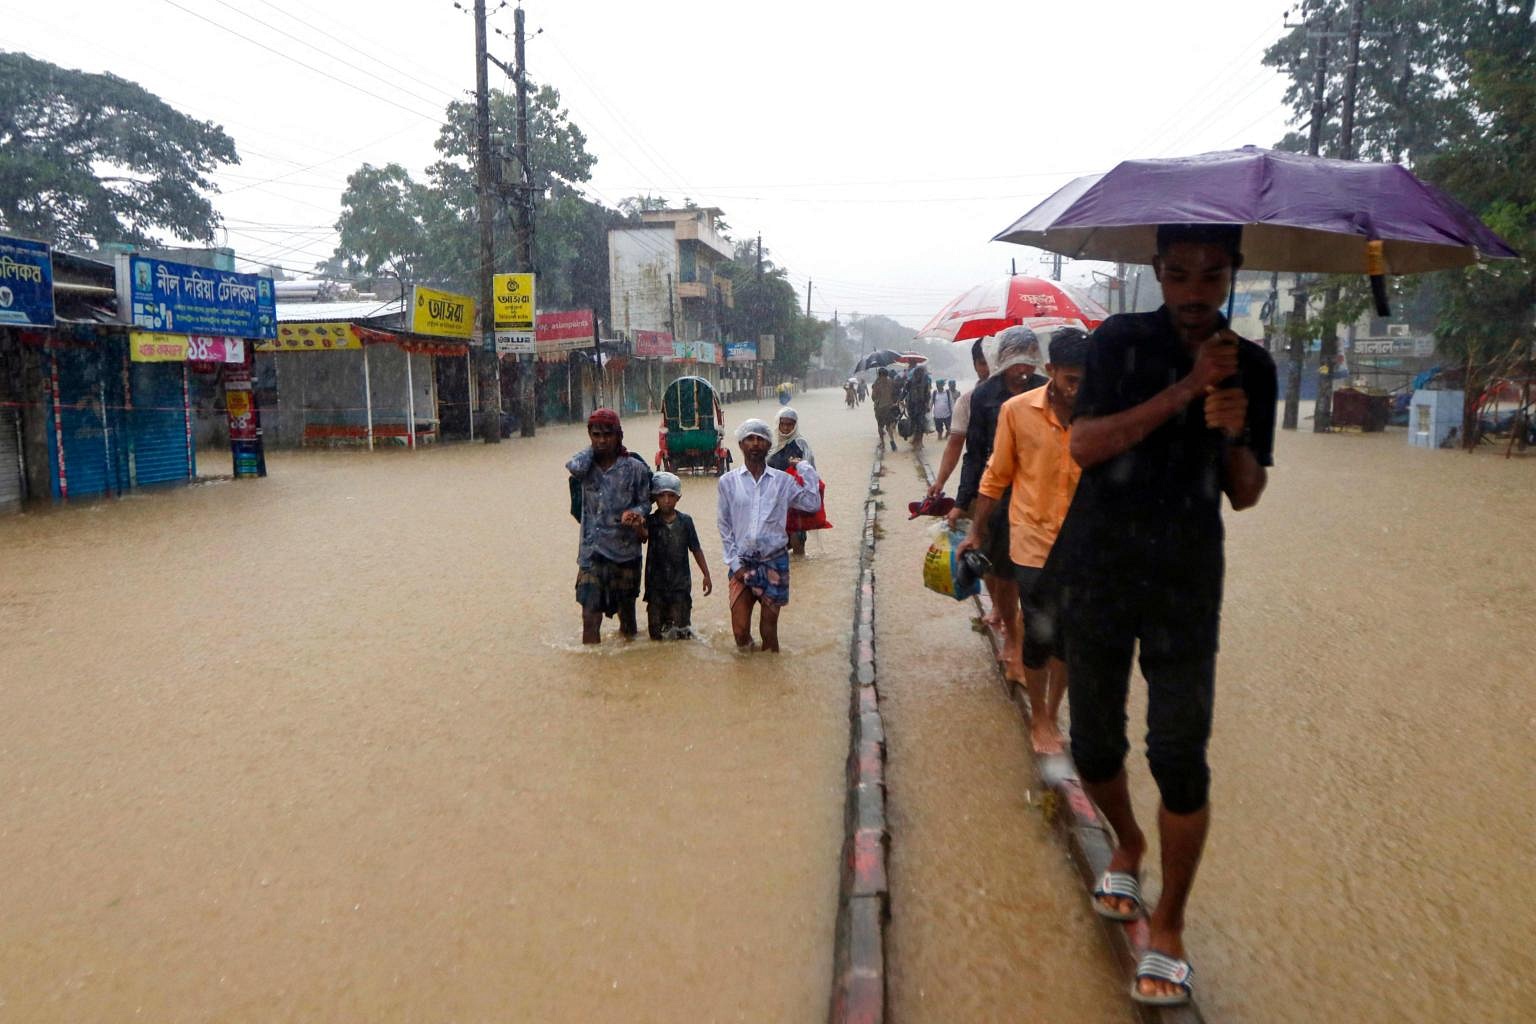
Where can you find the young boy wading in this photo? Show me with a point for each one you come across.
(615, 496)
(1174, 411)
(755, 500)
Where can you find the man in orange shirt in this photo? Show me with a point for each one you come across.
(1032, 454)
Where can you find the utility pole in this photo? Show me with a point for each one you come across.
(671, 310)
(488, 364)
(526, 395)
(759, 254)
(1055, 266)
(1322, 410)
(1299, 294)
(807, 298)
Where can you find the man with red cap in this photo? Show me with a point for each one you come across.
(615, 490)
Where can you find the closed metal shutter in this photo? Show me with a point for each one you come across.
(10, 462)
(157, 423)
(89, 398)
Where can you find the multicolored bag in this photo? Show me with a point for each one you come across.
(941, 567)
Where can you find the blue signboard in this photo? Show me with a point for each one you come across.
(740, 351)
(177, 298)
(26, 283)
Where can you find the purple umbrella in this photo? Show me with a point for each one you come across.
(1299, 213)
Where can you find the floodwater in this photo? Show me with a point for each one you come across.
(326, 747)
(989, 921)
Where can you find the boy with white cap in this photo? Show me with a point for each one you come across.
(755, 500)
(668, 580)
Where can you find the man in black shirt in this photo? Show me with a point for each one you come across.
(1018, 353)
(1174, 411)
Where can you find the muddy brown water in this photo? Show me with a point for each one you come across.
(324, 746)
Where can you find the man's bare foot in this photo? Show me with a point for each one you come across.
(1045, 737)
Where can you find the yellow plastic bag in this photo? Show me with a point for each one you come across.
(940, 563)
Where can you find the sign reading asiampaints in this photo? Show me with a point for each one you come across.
(26, 283)
(179, 298)
(442, 314)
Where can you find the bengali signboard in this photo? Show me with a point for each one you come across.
(442, 314)
(159, 295)
(765, 347)
(309, 336)
(515, 306)
(740, 351)
(149, 347)
(26, 283)
(653, 344)
(565, 330)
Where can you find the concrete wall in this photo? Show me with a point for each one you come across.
(1432, 416)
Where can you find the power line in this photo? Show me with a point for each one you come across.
(436, 119)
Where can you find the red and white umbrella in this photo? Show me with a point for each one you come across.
(1010, 302)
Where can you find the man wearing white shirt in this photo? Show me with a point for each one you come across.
(755, 500)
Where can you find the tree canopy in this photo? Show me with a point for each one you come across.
(1447, 87)
(424, 231)
(92, 158)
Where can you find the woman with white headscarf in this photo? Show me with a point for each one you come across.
(788, 444)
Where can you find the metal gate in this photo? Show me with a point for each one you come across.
(158, 426)
(10, 461)
(85, 422)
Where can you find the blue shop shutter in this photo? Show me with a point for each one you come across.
(89, 417)
(158, 424)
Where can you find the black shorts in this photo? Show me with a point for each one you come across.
(997, 546)
(1040, 645)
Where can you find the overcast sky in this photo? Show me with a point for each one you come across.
(876, 152)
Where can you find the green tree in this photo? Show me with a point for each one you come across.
(93, 158)
(384, 224)
(1449, 88)
(766, 303)
(390, 221)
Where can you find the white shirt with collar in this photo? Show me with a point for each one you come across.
(752, 510)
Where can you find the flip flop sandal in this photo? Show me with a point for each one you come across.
(1121, 884)
(1162, 967)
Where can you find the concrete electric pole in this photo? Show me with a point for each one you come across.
(488, 366)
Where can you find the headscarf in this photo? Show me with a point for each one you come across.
(607, 417)
(1014, 346)
(666, 482)
(780, 439)
(754, 428)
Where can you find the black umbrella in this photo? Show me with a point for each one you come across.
(879, 357)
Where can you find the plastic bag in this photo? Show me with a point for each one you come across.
(940, 564)
(797, 521)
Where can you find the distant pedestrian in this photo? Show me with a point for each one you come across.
(919, 399)
(671, 538)
(960, 418)
(863, 391)
(754, 502)
(615, 489)
(943, 409)
(887, 408)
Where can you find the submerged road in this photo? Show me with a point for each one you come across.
(325, 746)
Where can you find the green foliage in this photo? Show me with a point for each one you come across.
(91, 158)
(427, 230)
(1449, 87)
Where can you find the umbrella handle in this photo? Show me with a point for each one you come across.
(1376, 267)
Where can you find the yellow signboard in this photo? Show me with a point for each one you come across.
(514, 302)
(442, 314)
(148, 347)
(305, 336)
